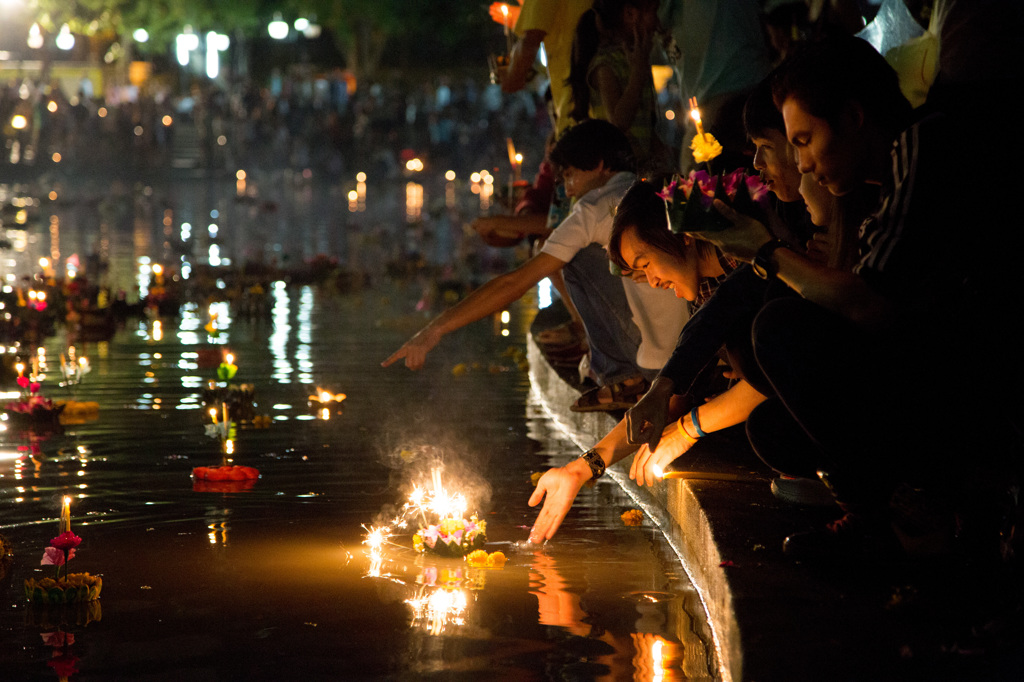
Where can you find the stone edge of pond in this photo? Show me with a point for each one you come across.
(676, 507)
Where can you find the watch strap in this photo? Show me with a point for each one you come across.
(596, 464)
(762, 263)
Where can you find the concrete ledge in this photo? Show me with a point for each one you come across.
(674, 506)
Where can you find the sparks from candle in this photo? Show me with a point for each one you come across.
(442, 503)
(376, 537)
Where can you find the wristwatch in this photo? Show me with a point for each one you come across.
(596, 464)
(762, 264)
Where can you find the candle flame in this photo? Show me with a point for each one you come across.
(658, 471)
(695, 115)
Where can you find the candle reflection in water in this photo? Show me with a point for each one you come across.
(413, 202)
(449, 189)
(360, 192)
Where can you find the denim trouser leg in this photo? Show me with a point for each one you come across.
(601, 301)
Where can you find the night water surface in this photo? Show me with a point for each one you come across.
(274, 582)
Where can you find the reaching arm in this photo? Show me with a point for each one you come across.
(508, 230)
(558, 487)
(724, 410)
(524, 54)
(490, 298)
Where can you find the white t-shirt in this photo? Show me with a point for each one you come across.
(658, 314)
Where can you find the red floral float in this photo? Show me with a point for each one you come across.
(224, 479)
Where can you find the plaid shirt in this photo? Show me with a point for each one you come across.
(707, 285)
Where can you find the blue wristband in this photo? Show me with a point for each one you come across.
(696, 423)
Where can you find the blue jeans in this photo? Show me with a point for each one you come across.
(601, 301)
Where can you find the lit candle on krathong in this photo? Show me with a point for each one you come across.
(21, 369)
(65, 515)
(695, 115)
(213, 414)
(508, 30)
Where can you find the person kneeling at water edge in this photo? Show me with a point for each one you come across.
(631, 328)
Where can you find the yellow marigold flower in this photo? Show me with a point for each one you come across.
(633, 517)
(477, 558)
(705, 147)
(496, 560)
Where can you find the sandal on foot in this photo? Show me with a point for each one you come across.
(565, 334)
(624, 396)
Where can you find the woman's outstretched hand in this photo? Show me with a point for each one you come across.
(649, 463)
(558, 488)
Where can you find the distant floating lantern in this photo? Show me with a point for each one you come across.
(323, 403)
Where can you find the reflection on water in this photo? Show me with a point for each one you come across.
(273, 581)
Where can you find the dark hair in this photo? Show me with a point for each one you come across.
(603, 18)
(827, 75)
(760, 115)
(587, 144)
(643, 210)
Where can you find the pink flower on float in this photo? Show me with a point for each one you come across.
(707, 183)
(23, 382)
(33, 387)
(58, 639)
(65, 541)
(53, 556)
(758, 190)
(731, 182)
(666, 192)
(685, 185)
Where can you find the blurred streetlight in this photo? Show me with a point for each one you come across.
(140, 35)
(215, 44)
(65, 40)
(278, 28)
(185, 43)
(35, 37)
